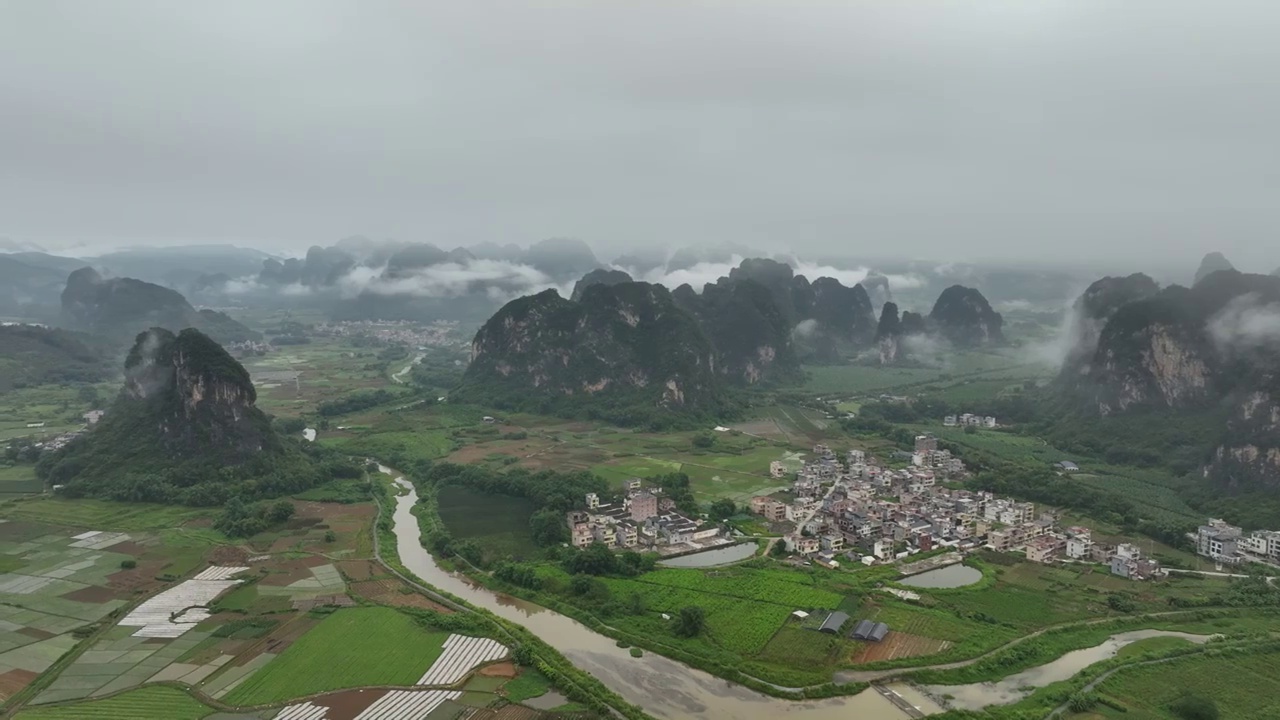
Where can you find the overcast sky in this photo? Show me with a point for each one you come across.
(1051, 130)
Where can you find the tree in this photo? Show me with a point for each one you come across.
(1121, 603)
(704, 440)
(1082, 702)
(88, 395)
(280, 512)
(723, 508)
(595, 559)
(690, 621)
(523, 655)
(330, 536)
(548, 527)
(1193, 706)
(636, 604)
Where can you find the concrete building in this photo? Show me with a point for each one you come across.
(1079, 543)
(1219, 541)
(1044, 549)
(644, 505)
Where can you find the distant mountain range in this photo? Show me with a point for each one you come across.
(119, 308)
(627, 350)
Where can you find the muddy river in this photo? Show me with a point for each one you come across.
(663, 687)
(976, 696)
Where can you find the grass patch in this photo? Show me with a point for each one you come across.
(350, 648)
(529, 684)
(499, 522)
(101, 514)
(1241, 684)
(1155, 644)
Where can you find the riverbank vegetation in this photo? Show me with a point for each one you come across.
(748, 631)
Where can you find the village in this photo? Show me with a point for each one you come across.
(861, 511)
(644, 519)
(438, 333)
(1227, 544)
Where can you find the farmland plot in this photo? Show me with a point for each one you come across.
(353, 647)
(461, 655)
(178, 609)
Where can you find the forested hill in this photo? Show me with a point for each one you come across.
(118, 308)
(1207, 356)
(184, 429)
(625, 352)
(33, 355)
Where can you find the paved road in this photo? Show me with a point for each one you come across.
(1271, 579)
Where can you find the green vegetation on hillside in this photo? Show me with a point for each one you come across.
(185, 430)
(32, 355)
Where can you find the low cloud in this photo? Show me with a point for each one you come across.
(805, 329)
(708, 272)
(497, 279)
(1246, 323)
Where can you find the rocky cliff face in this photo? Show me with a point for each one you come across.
(629, 339)
(894, 331)
(121, 307)
(1214, 348)
(965, 318)
(194, 394)
(846, 311)
(1248, 456)
(750, 334)
(1092, 310)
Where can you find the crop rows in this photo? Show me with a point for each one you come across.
(147, 702)
(461, 655)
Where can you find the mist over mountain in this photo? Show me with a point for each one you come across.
(117, 307)
(1206, 352)
(1212, 263)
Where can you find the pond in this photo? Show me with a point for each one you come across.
(712, 558)
(951, 576)
(976, 696)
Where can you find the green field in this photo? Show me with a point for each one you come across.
(1244, 686)
(101, 514)
(353, 647)
(19, 480)
(961, 366)
(744, 609)
(500, 522)
(148, 702)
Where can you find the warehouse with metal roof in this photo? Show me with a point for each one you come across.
(834, 622)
